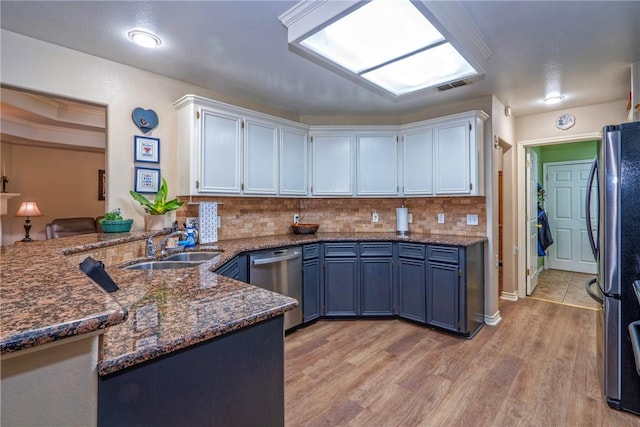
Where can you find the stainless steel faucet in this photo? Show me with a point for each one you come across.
(151, 248)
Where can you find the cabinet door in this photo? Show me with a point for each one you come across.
(311, 290)
(341, 287)
(332, 164)
(221, 151)
(293, 161)
(418, 162)
(377, 173)
(412, 289)
(452, 157)
(442, 296)
(376, 286)
(260, 157)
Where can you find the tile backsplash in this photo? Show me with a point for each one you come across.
(242, 217)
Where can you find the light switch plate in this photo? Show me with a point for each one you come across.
(440, 218)
(410, 218)
(375, 217)
(472, 219)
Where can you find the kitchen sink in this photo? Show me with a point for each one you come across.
(162, 265)
(191, 256)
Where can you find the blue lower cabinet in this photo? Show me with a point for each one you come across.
(235, 269)
(341, 286)
(443, 295)
(376, 286)
(311, 300)
(412, 289)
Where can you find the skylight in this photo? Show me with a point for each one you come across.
(391, 44)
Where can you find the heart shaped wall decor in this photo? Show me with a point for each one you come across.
(145, 119)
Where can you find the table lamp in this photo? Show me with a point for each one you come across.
(28, 209)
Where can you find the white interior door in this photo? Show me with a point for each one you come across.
(532, 220)
(566, 190)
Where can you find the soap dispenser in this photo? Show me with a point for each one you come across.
(191, 236)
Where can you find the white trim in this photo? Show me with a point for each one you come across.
(509, 296)
(493, 320)
(521, 238)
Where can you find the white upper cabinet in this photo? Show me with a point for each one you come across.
(377, 165)
(260, 157)
(221, 152)
(293, 161)
(417, 150)
(332, 164)
(452, 158)
(223, 149)
(444, 156)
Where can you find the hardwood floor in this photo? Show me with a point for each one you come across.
(536, 368)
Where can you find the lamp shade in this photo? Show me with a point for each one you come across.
(28, 209)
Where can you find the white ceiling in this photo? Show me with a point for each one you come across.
(585, 49)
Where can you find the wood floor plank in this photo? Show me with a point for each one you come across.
(536, 368)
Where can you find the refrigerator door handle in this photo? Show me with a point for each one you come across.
(592, 175)
(590, 291)
(634, 332)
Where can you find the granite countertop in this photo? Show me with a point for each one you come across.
(43, 298)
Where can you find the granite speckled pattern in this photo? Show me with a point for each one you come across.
(42, 299)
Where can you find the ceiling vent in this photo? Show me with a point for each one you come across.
(451, 85)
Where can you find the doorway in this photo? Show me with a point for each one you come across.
(53, 149)
(573, 148)
(566, 184)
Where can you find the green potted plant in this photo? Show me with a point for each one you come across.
(156, 209)
(112, 222)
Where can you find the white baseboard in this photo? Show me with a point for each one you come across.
(493, 320)
(509, 296)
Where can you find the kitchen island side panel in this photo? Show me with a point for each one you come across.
(233, 380)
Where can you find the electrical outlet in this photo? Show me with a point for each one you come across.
(440, 218)
(472, 219)
(191, 220)
(218, 221)
(375, 217)
(410, 218)
(296, 218)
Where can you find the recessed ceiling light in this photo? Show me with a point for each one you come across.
(144, 38)
(550, 100)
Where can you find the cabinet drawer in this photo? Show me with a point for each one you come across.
(340, 250)
(310, 251)
(412, 250)
(443, 254)
(376, 249)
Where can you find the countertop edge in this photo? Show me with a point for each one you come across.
(36, 337)
(116, 364)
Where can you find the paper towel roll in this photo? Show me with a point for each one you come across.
(402, 221)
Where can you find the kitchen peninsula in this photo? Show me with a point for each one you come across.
(160, 324)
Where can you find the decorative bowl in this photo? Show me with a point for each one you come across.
(304, 228)
(116, 225)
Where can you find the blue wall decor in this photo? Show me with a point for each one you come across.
(145, 119)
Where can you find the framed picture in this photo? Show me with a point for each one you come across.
(146, 149)
(102, 184)
(147, 180)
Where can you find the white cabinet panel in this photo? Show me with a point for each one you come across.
(293, 161)
(377, 171)
(332, 160)
(260, 158)
(452, 157)
(221, 152)
(418, 162)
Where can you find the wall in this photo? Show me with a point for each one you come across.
(48, 175)
(249, 216)
(35, 65)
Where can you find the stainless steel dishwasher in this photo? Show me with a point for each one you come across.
(280, 271)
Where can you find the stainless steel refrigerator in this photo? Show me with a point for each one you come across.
(613, 210)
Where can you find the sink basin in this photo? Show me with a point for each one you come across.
(191, 256)
(163, 265)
